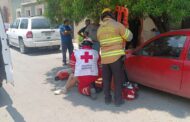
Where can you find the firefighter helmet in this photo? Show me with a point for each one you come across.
(107, 12)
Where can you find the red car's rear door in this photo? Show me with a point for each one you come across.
(159, 64)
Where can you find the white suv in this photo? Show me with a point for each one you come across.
(29, 32)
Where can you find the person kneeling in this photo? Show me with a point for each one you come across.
(85, 63)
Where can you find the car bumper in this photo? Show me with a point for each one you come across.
(45, 43)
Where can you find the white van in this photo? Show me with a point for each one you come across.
(33, 32)
(6, 72)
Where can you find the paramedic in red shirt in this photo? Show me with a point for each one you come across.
(85, 65)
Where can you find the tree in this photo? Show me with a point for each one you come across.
(162, 12)
(75, 10)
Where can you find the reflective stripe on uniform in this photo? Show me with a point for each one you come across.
(127, 32)
(112, 53)
(128, 35)
(111, 40)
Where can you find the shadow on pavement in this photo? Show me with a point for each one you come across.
(5, 100)
(148, 98)
(38, 52)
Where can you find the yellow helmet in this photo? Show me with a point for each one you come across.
(106, 10)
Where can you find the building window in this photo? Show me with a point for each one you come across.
(39, 11)
(28, 13)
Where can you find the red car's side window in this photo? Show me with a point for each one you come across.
(166, 47)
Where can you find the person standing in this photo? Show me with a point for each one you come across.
(92, 33)
(66, 40)
(81, 32)
(112, 36)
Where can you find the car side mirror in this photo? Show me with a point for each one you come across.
(139, 52)
(134, 53)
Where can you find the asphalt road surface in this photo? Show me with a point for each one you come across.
(32, 98)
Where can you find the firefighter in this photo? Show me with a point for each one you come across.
(112, 36)
(84, 63)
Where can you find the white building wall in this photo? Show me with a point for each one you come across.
(148, 25)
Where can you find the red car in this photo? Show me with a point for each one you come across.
(162, 63)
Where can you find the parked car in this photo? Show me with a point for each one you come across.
(33, 32)
(162, 63)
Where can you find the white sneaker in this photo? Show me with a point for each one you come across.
(64, 90)
(60, 91)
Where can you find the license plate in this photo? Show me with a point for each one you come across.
(48, 38)
(47, 33)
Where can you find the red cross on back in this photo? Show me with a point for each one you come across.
(86, 57)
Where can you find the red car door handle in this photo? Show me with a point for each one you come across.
(174, 67)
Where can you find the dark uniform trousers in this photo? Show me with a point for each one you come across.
(117, 71)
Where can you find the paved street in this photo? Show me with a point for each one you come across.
(32, 98)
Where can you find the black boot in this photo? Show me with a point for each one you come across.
(93, 94)
(108, 100)
(118, 104)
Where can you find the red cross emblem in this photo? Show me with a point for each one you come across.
(86, 57)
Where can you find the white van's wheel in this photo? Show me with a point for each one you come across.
(56, 48)
(22, 46)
